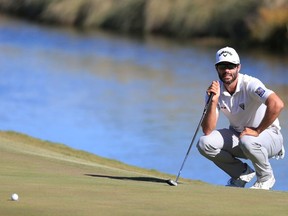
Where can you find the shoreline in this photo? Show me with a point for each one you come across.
(250, 25)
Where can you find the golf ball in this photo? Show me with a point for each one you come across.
(14, 197)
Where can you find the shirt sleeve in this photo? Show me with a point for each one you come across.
(259, 91)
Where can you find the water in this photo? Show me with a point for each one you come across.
(137, 101)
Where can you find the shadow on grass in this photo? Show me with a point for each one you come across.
(145, 179)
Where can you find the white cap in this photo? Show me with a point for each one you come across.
(227, 54)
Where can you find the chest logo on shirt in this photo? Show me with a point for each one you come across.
(222, 107)
(260, 91)
(242, 106)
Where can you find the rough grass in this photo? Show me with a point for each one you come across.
(53, 179)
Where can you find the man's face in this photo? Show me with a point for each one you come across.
(227, 72)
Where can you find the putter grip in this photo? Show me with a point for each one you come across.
(208, 104)
(210, 98)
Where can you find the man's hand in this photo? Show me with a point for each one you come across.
(214, 88)
(249, 131)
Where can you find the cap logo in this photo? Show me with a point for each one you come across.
(225, 53)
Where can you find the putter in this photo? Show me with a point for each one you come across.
(175, 183)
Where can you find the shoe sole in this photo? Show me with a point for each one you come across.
(247, 178)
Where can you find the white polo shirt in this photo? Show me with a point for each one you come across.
(246, 107)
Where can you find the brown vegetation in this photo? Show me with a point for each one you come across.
(250, 22)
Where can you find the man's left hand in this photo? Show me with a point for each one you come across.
(249, 132)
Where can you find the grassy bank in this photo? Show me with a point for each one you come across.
(250, 22)
(53, 179)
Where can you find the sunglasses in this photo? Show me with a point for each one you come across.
(226, 66)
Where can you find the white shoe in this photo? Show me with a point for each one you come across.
(248, 175)
(267, 185)
(244, 178)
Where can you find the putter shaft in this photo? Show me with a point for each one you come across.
(199, 124)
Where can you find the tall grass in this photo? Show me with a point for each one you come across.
(259, 22)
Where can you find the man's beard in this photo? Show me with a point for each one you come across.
(228, 82)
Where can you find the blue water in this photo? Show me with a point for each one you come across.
(137, 101)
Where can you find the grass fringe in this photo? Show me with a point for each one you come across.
(61, 149)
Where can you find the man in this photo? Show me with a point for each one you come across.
(254, 131)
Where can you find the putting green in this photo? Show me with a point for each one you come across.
(53, 179)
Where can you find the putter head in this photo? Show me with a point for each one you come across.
(171, 182)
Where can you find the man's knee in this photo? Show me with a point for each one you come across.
(206, 148)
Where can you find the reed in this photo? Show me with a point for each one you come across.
(249, 22)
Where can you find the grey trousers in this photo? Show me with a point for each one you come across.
(224, 148)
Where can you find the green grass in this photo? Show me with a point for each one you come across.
(53, 179)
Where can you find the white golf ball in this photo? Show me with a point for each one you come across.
(14, 197)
